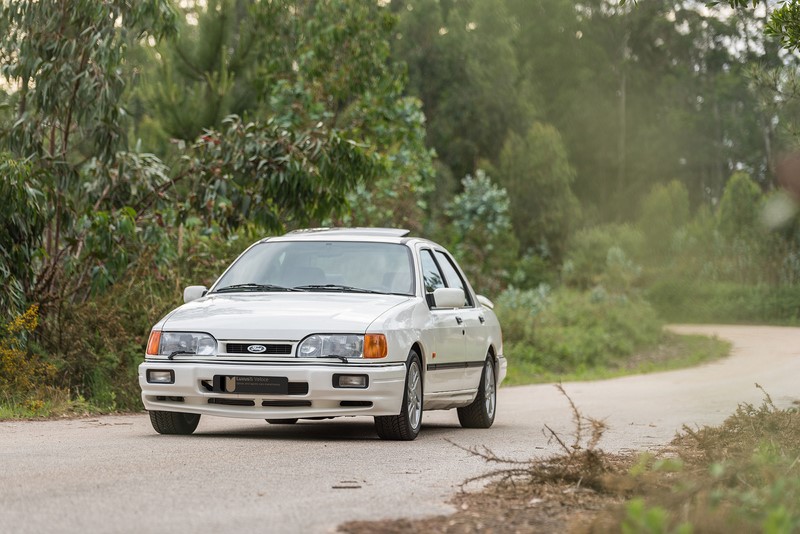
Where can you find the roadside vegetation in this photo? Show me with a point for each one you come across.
(143, 145)
(741, 476)
(600, 168)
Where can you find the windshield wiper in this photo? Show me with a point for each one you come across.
(253, 287)
(337, 287)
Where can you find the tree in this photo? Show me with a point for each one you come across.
(65, 62)
(664, 211)
(483, 239)
(462, 66)
(537, 175)
(290, 73)
(21, 224)
(740, 207)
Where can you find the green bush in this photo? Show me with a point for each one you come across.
(664, 211)
(96, 346)
(604, 255)
(569, 332)
(699, 300)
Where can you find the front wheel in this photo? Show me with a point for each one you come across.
(480, 414)
(405, 426)
(174, 422)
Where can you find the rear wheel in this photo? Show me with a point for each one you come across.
(480, 414)
(282, 421)
(174, 422)
(405, 426)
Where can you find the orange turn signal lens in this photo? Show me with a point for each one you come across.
(375, 346)
(153, 342)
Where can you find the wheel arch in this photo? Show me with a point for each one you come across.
(493, 353)
(417, 347)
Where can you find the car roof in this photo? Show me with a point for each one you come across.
(392, 232)
(364, 234)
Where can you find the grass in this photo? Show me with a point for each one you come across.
(674, 352)
(44, 402)
(741, 476)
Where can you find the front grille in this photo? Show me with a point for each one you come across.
(271, 348)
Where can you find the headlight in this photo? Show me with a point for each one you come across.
(335, 345)
(176, 343)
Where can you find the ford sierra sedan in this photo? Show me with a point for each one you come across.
(328, 323)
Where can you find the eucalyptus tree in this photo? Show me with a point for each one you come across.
(250, 77)
(63, 63)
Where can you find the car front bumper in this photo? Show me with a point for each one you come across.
(311, 394)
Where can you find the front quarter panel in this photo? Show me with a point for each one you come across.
(403, 326)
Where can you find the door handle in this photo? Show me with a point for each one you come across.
(481, 319)
(459, 320)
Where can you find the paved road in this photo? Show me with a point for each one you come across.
(114, 474)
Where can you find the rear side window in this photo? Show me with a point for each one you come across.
(452, 277)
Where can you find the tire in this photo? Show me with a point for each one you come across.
(174, 422)
(405, 426)
(480, 413)
(281, 421)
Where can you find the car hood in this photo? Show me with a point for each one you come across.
(279, 316)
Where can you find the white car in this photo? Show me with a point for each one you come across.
(328, 323)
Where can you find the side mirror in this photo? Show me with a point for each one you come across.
(194, 292)
(486, 303)
(448, 297)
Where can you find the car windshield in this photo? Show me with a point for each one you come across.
(336, 266)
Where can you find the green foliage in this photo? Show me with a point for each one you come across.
(483, 240)
(66, 59)
(314, 86)
(740, 475)
(96, 346)
(462, 64)
(704, 301)
(537, 175)
(519, 309)
(664, 211)
(397, 197)
(66, 62)
(272, 175)
(570, 332)
(21, 223)
(20, 371)
(643, 519)
(604, 255)
(740, 208)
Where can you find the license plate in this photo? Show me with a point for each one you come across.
(268, 385)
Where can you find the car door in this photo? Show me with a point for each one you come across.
(472, 321)
(445, 367)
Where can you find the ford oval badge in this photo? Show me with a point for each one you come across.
(256, 348)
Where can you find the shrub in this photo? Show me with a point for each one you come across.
(568, 331)
(740, 207)
(21, 370)
(482, 237)
(604, 255)
(664, 211)
(699, 300)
